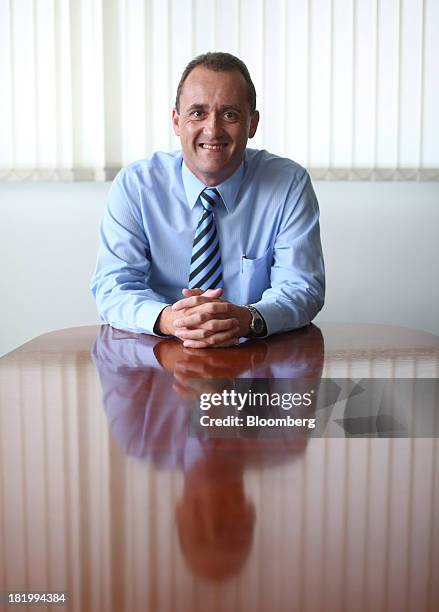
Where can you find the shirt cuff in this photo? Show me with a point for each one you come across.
(149, 316)
(273, 316)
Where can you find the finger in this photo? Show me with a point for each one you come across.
(207, 367)
(213, 340)
(200, 344)
(180, 378)
(205, 321)
(190, 386)
(215, 310)
(182, 390)
(191, 334)
(212, 293)
(194, 300)
(207, 371)
(202, 316)
(202, 360)
(234, 342)
(189, 368)
(195, 354)
(194, 320)
(214, 326)
(207, 358)
(189, 292)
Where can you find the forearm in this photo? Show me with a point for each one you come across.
(288, 307)
(297, 275)
(120, 284)
(127, 305)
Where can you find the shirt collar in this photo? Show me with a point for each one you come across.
(228, 190)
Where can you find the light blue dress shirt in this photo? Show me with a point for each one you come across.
(268, 228)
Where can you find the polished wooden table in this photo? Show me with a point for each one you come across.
(109, 492)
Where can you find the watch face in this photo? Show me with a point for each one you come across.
(258, 325)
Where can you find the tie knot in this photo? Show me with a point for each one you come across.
(210, 198)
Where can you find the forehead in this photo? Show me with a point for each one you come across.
(205, 86)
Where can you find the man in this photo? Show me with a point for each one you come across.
(235, 230)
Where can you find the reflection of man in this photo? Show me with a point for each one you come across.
(224, 224)
(215, 518)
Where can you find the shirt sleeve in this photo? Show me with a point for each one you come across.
(120, 281)
(297, 276)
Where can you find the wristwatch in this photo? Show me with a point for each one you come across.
(258, 327)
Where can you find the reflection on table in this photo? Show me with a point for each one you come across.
(106, 495)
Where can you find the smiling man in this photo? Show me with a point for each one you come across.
(235, 231)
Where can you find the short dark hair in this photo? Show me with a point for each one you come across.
(219, 62)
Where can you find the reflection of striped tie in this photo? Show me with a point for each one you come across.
(206, 272)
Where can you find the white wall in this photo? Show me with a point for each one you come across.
(48, 243)
(380, 244)
(381, 250)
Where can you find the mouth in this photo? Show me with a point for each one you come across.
(214, 146)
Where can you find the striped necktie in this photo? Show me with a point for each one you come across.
(206, 271)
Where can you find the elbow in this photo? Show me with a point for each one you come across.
(320, 302)
(101, 299)
(316, 300)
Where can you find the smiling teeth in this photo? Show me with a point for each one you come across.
(212, 147)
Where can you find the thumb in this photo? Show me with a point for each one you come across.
(214, 293)
(190, 292)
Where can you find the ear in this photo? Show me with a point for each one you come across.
(176, 121)
(254, 120)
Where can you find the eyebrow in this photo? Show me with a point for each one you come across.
(230, 107)
(196, 107)
(223, 108)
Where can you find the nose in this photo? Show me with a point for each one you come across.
(212, 125)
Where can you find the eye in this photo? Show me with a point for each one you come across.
(231, 115)
(196, 114)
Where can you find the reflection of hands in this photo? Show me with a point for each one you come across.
(203, 320)
(195, 370)
(189, 388)
(196, 365)
(205, 364)
(193, 367)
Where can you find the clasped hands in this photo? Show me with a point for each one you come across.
(203, 320)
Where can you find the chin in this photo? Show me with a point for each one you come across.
(213, 171)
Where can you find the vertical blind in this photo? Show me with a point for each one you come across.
(348, 88)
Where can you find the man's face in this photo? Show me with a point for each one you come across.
(214, 123)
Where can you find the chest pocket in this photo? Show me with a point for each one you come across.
(255, 277)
